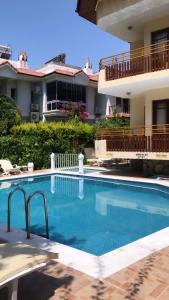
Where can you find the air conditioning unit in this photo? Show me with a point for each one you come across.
(34, 107)
(35, 116)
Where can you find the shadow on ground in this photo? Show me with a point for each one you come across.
(139, 281)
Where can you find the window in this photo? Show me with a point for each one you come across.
(160, 36)
(118, 101)
(126, 106)
(71, 92)
(51, 91)
(160, 112)
(13, 93)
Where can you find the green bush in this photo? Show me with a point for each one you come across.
(9, 114)
(112, 122)
(35, 142)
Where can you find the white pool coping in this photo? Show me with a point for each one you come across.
(95, 266)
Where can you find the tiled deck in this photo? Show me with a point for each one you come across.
(147, 279)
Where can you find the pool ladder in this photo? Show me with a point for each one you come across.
(27, 209)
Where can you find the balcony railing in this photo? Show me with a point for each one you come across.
(118, 109)
(136, 139)
(139, 61)
(60, 106)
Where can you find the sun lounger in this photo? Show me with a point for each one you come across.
(17, 260)
(8, 168)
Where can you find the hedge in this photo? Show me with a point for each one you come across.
(32, 142)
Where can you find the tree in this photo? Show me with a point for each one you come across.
(9, 114)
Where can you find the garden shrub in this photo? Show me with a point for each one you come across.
(112, 122)
(9, 114)
(32, 142)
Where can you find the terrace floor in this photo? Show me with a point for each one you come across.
(147, 279)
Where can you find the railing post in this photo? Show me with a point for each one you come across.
(53, 161)
(81, 159)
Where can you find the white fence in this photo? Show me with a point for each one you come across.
(66, 161)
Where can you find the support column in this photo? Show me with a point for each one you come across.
(44, 97)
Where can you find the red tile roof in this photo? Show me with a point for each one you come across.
(8, 63)
(28, 72)
(61, 72)
(21, 70)
(94, 77)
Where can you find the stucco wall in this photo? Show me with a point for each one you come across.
(141, 107)
(137, 111)
(136, 45)
(3, 86)
(9, 85)
(160, 94)
(158, 24)
(7, 72)
(24, 97)
(105, 7)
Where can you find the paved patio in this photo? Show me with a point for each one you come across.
(147, 279)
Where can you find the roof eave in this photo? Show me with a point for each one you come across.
(86, 9)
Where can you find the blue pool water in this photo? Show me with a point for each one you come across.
(91, 215)
(86, 170)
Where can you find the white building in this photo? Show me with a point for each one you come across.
(142, 72)
(44, 94)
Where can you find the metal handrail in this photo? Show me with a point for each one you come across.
(28, 212)
(162, 129)
(9, 206)
(144, 51)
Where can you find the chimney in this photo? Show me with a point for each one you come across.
(23, 60)
(88, 67)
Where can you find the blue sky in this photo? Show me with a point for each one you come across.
(47, 28)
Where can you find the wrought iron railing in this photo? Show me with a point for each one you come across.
(140, 138)
(147, 59)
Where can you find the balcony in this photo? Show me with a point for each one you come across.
(136, 139)
(135, 72)
(62, 108)
(143, 60)
(135, 62)
(117, 110)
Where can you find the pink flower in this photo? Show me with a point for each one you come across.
(84, 115)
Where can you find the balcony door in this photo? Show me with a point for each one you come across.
(160, 55)
(161, 112)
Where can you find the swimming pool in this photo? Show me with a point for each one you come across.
(93, 215)
(85, 170)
